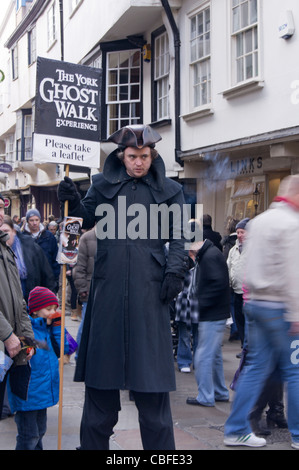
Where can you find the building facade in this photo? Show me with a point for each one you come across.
(218, 79)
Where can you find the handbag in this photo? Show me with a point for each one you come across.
(238, 371)
(73, 345)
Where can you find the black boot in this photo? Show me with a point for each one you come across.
(256, 425)
(275, 416)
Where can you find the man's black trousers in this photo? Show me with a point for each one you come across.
(100, 415)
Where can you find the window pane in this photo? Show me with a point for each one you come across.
(123, 76)
(253, 11)
(239, 40)
(112, 61)
(200, 45)
(207, 44)
(124, 59)
(244, 15)
(193, 28)
(248, 41)
(256, 64)
(112, 78)
(112, 93)
(255, 45)
(134, 92)
(124, 110)
(193, 50)
(136, 59)
(207, 19)
(240, 75)
(236, 19)
(200, 24)
(114, 111)
(134, 76)
(135, 112)
(123, 93)
(249, 67)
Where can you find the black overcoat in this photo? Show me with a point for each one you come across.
(126, 341)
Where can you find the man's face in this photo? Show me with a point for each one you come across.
(241, 234)
(33, 224)
(52, 229)
(1, 212)
(137, 161)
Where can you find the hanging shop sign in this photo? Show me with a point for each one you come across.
(67, 115)
(5, 168)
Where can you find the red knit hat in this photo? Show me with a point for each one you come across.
(39, 298)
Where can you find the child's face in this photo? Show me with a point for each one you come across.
(46, 312)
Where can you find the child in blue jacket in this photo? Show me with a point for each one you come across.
(43, 391)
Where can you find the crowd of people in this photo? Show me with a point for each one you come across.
(122, 288)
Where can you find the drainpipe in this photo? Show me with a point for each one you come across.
(177, 84)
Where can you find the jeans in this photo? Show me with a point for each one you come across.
(184, 354)
(269, 344)
(79, 334)
(32, 426)
(208, 363)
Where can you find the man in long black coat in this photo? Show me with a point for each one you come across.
(126, 340)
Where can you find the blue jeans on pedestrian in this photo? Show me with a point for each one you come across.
(187, 343)
(208, 363)
(79, 334)
(269, 344)
(32, 426)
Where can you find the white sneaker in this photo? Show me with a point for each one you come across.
(250, 440)
(295, 445)
(185, 369)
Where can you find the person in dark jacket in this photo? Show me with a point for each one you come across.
(45, 239)
(126, 341)
(33, 266)
(213, 294)
(209, 233)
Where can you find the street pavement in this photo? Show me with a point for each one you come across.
(195, 427)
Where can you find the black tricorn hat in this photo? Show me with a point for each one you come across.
(137, 135)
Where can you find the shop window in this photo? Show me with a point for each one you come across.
(238, 210)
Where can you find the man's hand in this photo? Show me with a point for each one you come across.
(13, 345)
(67, 191)
(171, 287)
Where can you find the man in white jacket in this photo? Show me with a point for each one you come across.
(271, 275)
